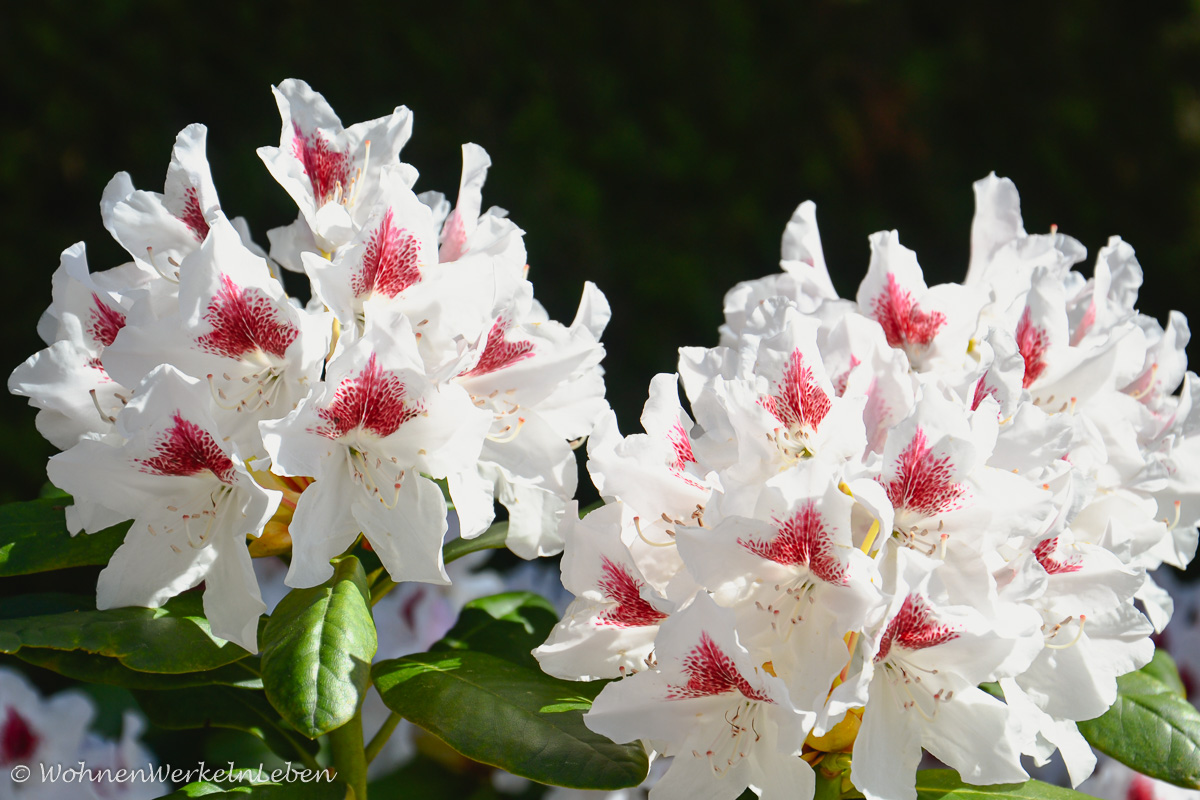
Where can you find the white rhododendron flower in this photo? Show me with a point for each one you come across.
(370, 434)
(48, 735)
(723, 717)
(330, 171)
(867, 510)
(192, 501)
(193, 395)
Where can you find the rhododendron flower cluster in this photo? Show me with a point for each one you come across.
(190, 393)
(924, 518)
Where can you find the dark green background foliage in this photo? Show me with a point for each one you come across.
(657, 150)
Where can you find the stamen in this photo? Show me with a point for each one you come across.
(1171, 523)
(638, 525)
(1073, 642)
(261, 390)
(731, 745)
(96, 402)
(907, 681)
(792, 443)
(508, 433)
(172, 277)
(361, 472)
(359, 172)
(1149, 383)
(217, 509)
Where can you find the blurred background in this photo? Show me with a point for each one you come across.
(654, 152)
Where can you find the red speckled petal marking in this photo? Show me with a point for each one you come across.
(798, 399)
(711, 672)
(324, 166)
(802, 540)
(18, 742)
(914, 628)
(186, 449)
(373, 400)
(391, 261)
(982, 390)
(244, 320)
(631, 609)
(499, 353)
(1032, 342)
(839, 385)
(682, 445)
(922, 481)
(903, 321)
(1044, 553)
(104, 322)
(98, 365)
(193, 215)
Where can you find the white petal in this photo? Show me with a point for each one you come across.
(232, 600)
(408, 537)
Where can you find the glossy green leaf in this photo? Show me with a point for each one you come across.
(510, 716)
(34, 538)
(507, 625)
(225, 707)
(101, 669)
(173, 639)
(944, 784)
(1162, 669)
(317, 649)
(34, 605)
(1151, 727)
(491, 539)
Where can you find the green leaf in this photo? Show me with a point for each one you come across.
(233, 790)
(34, 538)
(35, 605)
(1151, 727)
(225, 707)
(1162, 669)
(173, 639)
(507, 625)
(491, 539)
(317, 650)
(101, 669)
(514, 717)
(936, 784)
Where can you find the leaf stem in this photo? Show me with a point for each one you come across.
(349, 759)
(381, 587)
(381, 736)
